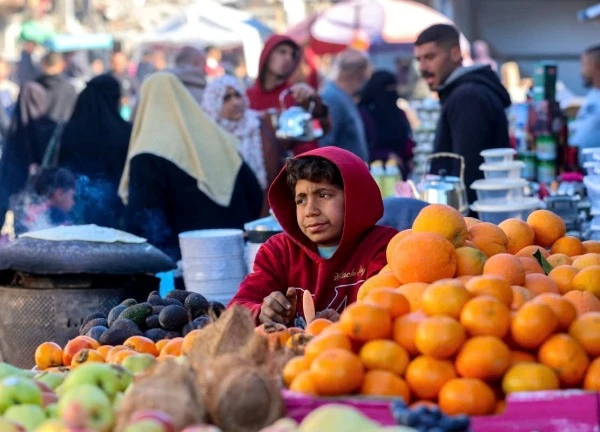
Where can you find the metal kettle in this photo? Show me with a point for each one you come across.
(295, 123)
(442, 188)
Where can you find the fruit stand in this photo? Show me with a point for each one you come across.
(470, 327)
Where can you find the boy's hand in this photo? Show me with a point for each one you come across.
(277, 308)
(302, 92)
(329, 314)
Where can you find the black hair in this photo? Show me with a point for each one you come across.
(49, 180)
(314, 169)
(52, 59)
(444, 35)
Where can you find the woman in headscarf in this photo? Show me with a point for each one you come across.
(29, 134)
(94, 146)
(225, 101)
(183, 171)
(391, 134)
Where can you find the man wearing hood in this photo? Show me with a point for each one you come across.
(327, 204)
(61, 93)
(189, 68)
(473, 101)
(278, 61)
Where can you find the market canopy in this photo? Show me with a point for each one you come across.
(385, 24)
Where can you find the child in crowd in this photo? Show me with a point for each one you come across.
(47, 201)
(328, 205)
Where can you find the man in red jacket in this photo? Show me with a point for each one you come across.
(280, 57)
(328, 205)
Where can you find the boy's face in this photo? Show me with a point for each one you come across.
(320, 212)
(63, 199)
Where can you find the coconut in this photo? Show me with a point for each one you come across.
(170, 388)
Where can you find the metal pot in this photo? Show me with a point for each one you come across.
(444, 189)
(295, 123)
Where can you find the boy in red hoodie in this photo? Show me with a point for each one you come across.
(328, 205)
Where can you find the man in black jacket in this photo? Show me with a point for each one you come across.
(473, 100)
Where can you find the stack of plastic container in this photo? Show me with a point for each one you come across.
(501, 194)
(591, 163)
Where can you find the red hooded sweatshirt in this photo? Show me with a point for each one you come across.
(290, 259)
(262, 99)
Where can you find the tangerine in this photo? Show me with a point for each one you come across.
(529, 251)
(547, 226)
(568, 245)
(563, 276)
(323, 342)
(486, 316)
(469, 261)
(443, 220)
(587, 260)
(382, 383)
(142, 345)
(591, 246)
(305, 384)
(531, 266)
(384, 355)
(507, 266)
(391, 300)
(293, 368)
(556, 260)
(483, 357)
(520, 297)
(405, 330)
(588, 279)
(427, 375)
(445, 297)
(566, 357)
(364, 322)
(518, 233)
(468, 396)
(562, 308)
(47, 355)
(413, 293)
(316, 326)
(337, 372)
(86, 356)
(391, 247)
(540, 283)
(488, 238)
(492, 285)
(173, 347)
(520, 357)
(439, 336)
(533, 324)
(591, 381)
(528, 377)
(586, 330)
(384, 280)
(583, 301)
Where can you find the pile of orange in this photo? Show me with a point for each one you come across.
(464, 314)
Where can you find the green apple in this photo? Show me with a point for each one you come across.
(16, 390)
(29, 416)
(148, 425)
(87, 406)
(100, 375)
(7, 370)
(52, 411)
(123, 375)
(51, 379)
(7, 425)
(117, 400)
(52, 425)
(139, 363)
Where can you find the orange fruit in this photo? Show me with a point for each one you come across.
(488, 238)
(304, 383)
(486, 316)
(591, 381)
(383, 383)
(86, 356)
(591, 246)
(492, 285)
(439, 337)
(119, 356)
(324, 342)
(173, 347)
(467, 396)
(566, 357)
(74, 346)
(424, 257)
(413, 293)
(533, 324)
(161, 344)
(391, 247)
(559, 259)
(483, 357)
(540, 283)
(443, 220)
(384, 355)
(427, 375)
(385, 269)
(93, 342)
(331, 329)
(529, 376)
(563, 276)
(562, 308)
(405, 330)
(383, 280)
(531, 265)
(521, 357)
(529, 251)
(588, 279)
(364, 322)
(293, 368)
(445, 297)
(337, 372)
(518, 233)
(507, 266)
(520, 297)
(391, 300)
(189, 340)
(316, 326)
(587, 260)
(104, 350)
(568, 245)
(470, 221)
(142, 345)
(547, 226)
(583, 301)
(586, 330)
(115, 350)
(469, 261)
(47, 355)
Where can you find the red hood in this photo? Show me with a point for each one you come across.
(260, 98)
(364, 206)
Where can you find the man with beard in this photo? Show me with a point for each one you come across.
(473, 101)
(587, 123)
(61, 94)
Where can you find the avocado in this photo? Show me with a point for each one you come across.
(129, 302)
(196, 305)
(180, 295)
(155, 334)
(156, 300)
(156, 309)
(216, 308)
(173, 317)
(172, 334)
(152, 322)
(96, 332)
(92, 316)
(92, 323)
(137, 313)
(115, 313)
(203, 319)
(121, 330)
(173, 302)
(154, 293)
(194, 325)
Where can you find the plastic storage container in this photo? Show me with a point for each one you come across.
(496, 213)
(503, 170)
(498, 155)
(499, 191)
